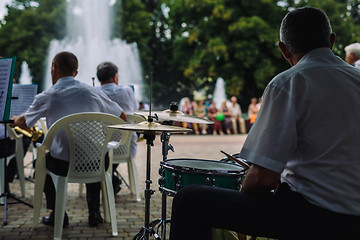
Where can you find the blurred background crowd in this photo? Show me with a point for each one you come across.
(227, 115)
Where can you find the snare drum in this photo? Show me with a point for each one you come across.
(178, 173)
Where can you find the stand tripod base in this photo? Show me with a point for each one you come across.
(6, 196)
(159, 227)
(145, 233)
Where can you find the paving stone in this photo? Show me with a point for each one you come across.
(130, 213)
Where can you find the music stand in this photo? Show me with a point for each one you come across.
(6, 194)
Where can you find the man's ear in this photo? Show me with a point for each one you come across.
(289, 56)
(116, 79)
(332, 40)
(285, 51)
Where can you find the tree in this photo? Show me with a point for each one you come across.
(235, 40)
(186, 44)
(27, 31)
(342, 17)
(144, 22)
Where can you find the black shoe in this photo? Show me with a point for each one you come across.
(95, 218)
(50, 220)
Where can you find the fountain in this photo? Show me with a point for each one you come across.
(89, 39)
(25, 77)
(219, 92)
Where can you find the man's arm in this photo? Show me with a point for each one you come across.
(260, 180)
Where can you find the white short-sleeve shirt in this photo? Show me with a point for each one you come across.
(122, 95)
(68, 96)
(308, 129)
(125, 97)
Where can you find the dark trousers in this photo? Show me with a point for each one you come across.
(7, 148)
(284, 215)
(60, 167)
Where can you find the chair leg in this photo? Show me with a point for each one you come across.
(61, 197)
(38, 189)
(111, 202)
(19, 154)
(20, 172)
(105, 202)
(133, 180)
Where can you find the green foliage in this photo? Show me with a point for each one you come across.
(235, 40)
(185, 44)
(345, 23)
(27, 31)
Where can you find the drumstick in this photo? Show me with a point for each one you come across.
(245, 165)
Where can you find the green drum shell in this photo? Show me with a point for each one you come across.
(178, 173)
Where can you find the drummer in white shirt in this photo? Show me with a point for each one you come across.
(107, 73)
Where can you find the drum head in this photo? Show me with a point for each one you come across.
(188, 164)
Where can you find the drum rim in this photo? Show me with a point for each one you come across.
(194, 170)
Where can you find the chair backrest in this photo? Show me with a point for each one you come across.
(123, 152)
(87, 135)
(42, 124)
(13, 135)
(18, 137)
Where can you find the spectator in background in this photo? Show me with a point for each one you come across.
(185, 107)
(238, 123)
(226, 123)
(212, 113)
(143, 106)
(258, 105)
(253, 110)
(200, 111)
(352, 52)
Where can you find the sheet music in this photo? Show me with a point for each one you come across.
(5, 71)
(25, 94)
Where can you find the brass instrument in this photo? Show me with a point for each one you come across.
(34, 133)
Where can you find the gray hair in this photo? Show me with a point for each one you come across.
(105, 71)
(305, 29)
(353, 48)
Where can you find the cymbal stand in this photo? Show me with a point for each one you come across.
(161, 222)
(147, 229)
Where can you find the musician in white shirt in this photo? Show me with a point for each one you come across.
(107, 73)
(65, 97)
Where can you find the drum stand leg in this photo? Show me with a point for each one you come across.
(147, 229)
(161, 223)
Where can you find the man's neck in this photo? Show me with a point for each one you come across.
(107, 82)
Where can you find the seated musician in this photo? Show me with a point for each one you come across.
(7, 148)
(107, 73)
(295, 150)
(67, 96)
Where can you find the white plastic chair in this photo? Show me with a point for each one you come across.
(19, 155)
(42, 125)
(122, 154)
(87, 135)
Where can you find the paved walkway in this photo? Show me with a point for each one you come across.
(130, 214)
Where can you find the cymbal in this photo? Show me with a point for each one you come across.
(150, 128)
(176, 116)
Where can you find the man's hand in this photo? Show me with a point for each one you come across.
(123, 116)
(19, 121)
(260, 180)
